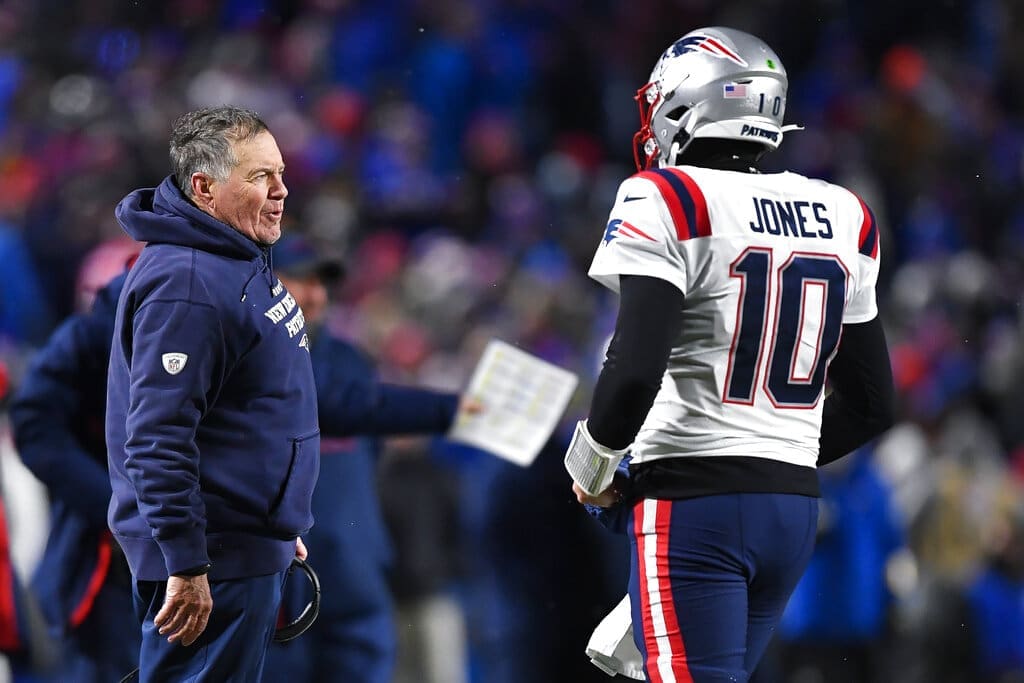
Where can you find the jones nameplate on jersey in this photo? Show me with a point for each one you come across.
(791, 219)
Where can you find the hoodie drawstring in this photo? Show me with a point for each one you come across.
(271, 279)
(264, 266)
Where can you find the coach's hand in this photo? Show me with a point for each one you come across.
(186, 609)
(470, 405)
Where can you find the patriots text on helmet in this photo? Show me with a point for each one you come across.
(754, 131)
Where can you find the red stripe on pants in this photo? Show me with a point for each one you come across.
(663, 639)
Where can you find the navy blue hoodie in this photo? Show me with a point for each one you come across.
(212, 435)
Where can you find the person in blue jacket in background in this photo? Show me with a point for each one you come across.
(838, 618)
(57, 414)
(993, 601)
(353, 639)
(83, 581)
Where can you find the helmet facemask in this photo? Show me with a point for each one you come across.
(647, 152)
(645, 146)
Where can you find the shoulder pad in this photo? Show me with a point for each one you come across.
(684, 199)
(867, 240)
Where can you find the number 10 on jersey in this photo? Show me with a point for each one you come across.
(803, 280)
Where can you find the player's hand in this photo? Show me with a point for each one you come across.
(470, 405)
(300, 549)
(186, 609)
(606, 499)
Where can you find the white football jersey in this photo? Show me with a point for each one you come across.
(771, 267)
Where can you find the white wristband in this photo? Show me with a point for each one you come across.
(590, 464)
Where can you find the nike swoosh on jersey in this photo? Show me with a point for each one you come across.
(628, 198)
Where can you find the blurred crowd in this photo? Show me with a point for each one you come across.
(462, 155)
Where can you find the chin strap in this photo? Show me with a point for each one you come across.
(676, 151)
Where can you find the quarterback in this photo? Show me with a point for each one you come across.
(747, 351)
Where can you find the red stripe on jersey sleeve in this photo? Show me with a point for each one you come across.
(629, 227)
(867, 242)
(675, 207)
(699, 202)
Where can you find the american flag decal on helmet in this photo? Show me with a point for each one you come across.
(706, 44)
(732, 91)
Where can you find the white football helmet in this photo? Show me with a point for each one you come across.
(712, 83)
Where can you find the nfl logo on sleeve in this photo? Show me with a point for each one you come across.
(174, 362)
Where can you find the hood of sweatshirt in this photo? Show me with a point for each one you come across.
(162, 215)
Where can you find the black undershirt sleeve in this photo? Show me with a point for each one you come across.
(648, 323)
(862, 403)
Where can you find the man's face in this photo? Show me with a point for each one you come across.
(251, 199)
(310, 294)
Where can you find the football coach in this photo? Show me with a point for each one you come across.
(212, 433)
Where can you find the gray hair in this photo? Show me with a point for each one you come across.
(201, 142)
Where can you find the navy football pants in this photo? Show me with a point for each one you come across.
(710, 577)
(105, 646)
(234, 644)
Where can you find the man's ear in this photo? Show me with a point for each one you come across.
(201, 192)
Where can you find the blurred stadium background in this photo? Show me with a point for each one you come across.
(462, 156)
